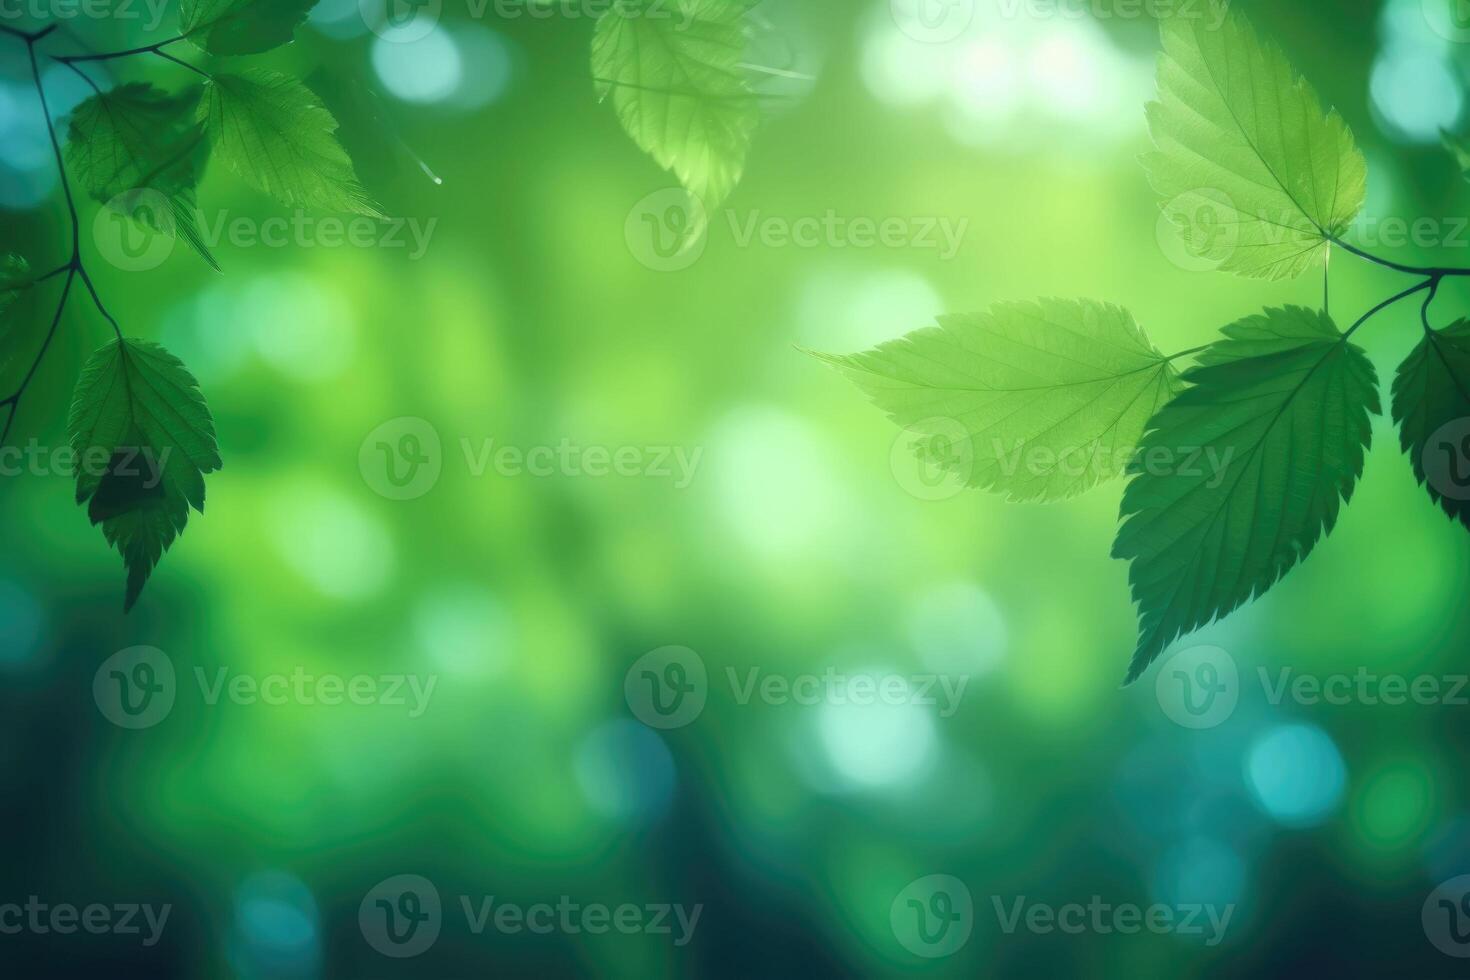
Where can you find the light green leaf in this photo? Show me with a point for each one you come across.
(673, 70)
(271, 130)
(135, 140)
(143, 439)
(229, 27)
(1050, 398)
(1431, 404)
(1243, 472)
(1247, 162)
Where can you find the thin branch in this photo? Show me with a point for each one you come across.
(109, 55)
(1424, 310)
(97, 300)
(13, 402)
(1431, 283)
(29, 37)
(179, 61)
(81, 74)
(71, 205)
(1435, 272)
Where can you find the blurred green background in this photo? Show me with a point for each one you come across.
(799, 546)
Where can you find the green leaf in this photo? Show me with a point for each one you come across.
(673, 71)
(15, 282)
(1246, 158)
(1431, 404)
(143, 440)
(15, 279)
(274, 132)
(228, 27)
(1051, 398)
(137, 139)
(1242, 473)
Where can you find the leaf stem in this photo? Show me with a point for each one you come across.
(180, 61)
(109, 55)
(1433, 272)
(74, 268)
(1431, 284)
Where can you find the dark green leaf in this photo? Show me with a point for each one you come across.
(229, 27)
(1242, 474)
(136, 139)
(143, 439)
(271, 130)
(1431, 404)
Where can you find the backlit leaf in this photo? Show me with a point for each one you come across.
(1249, 165)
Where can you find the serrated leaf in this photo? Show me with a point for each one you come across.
(1051, 397)
(1243, 472)
(15, 279)
(136, 139)
(272, 131)
(143, 439)
(1247, 160)
(1431, 404)
(672, 69)
(230, 27)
